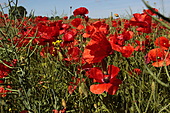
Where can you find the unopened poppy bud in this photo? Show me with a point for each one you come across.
(82, 90)
(98, 103)
(85, 93)
(60, 55)
(153, 87)
(63, 103)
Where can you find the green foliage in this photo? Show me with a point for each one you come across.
(73, 17)
(18, 12)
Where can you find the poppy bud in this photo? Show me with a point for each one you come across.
(63, 103)
(98, 103)
(60, 56)
(82, 89)
(153, 87)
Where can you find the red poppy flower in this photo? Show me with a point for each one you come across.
(141, 45)
(66, 45)
(160, 57)
(117, 39)
(2, 92)
(3, 15)
(114, 23)
(117, 22)
(76, 22)
(40, 18)
(97, 26)
(127, 35)
(104, 28)
(65, 17)
(4, 70)
(80, 27)
(162, 42)
(80, 11)
(150, 12)
(97, 49)
(59, 111)
(141, 18)
(73, 54)
(47, 34)
(135, 71)
(101, 26)
(73, 85)
(89, 31)
(127, 51)
(69, 36)
(116, 42)
(108, 82)
(24, 111)
(143, 21)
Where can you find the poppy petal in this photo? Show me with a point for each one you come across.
(96, 73)
(115, 81)
(112, 90)
(162, 42)
(97, 49)
(161, 63)
(99, 88)
(113, 71)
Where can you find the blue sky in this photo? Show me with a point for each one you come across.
(97, 8)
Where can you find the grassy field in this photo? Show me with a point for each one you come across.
(84, 65)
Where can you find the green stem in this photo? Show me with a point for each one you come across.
(164, 108)
(159, 14)
(160, 82)
(133, 96)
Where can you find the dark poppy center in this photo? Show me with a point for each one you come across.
(106, 79)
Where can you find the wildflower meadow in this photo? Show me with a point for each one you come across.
(85, 65)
